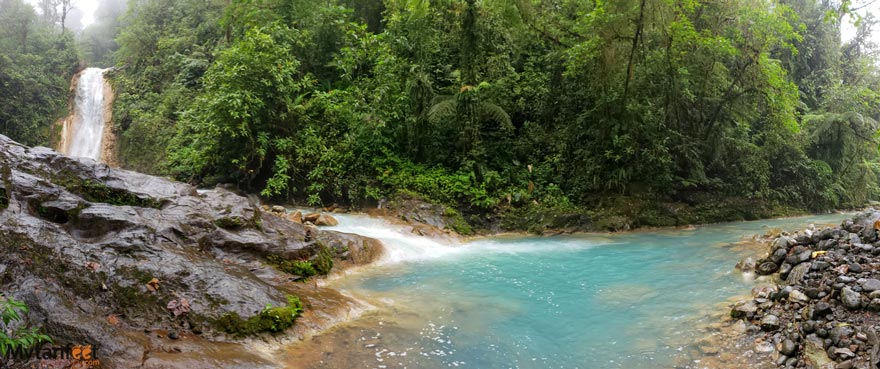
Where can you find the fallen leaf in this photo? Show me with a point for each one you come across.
(153, 285)
(112, 319)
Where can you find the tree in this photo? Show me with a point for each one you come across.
(246, 109)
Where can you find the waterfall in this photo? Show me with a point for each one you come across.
(87, 129)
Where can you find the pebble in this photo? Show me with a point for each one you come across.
(798, 296)
(870, 285)
(788, 347)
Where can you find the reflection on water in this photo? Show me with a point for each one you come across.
(629, 300)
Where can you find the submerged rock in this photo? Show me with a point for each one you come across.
(744, 309)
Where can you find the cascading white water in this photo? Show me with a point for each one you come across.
(88, 124)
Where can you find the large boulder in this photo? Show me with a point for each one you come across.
(326, 220)
(81, 242)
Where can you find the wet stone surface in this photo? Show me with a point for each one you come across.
(108, 256)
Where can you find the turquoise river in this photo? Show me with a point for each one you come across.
(629, 300)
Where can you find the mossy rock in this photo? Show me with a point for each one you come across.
(301, 268)
(321, 263)
(233, 222)
(270, 320)
(98, 192)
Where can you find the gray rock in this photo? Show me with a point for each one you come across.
(784, 270)
(843, 353)
(778, 256)
(788, 347)
(839, 333)
(820, 309)
(798, 296)
(820, 265)
(103, 232)
(855, 268)
(845, 279)
(874, 305)
(744, 309)
(783, 242)
(770, 323)
(852, 300)
(854, 239)
(797, 273)
(870, 285)
(767, 267)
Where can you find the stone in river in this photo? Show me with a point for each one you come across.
(744, 309)
(326, 220)
(746, 264)
(767, 267)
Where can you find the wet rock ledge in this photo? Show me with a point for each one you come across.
(152, 272)
(822, 309)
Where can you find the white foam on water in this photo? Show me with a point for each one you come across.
(400, 244)
(403, 246)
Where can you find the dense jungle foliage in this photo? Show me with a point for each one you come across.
(629, 112)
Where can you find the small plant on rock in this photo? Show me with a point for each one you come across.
(17, 336)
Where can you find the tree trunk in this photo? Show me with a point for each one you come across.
(632, 54)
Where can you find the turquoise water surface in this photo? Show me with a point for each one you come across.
(589, 301)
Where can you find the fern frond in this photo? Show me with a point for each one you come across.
(489, 111)
(441, 110)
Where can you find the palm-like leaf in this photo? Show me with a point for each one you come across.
(442, 108)
(489, 111)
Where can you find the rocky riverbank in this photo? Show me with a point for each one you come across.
(153, 273)
(821, 308)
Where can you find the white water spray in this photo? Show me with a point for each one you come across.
(401, 245)
(88, 124)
